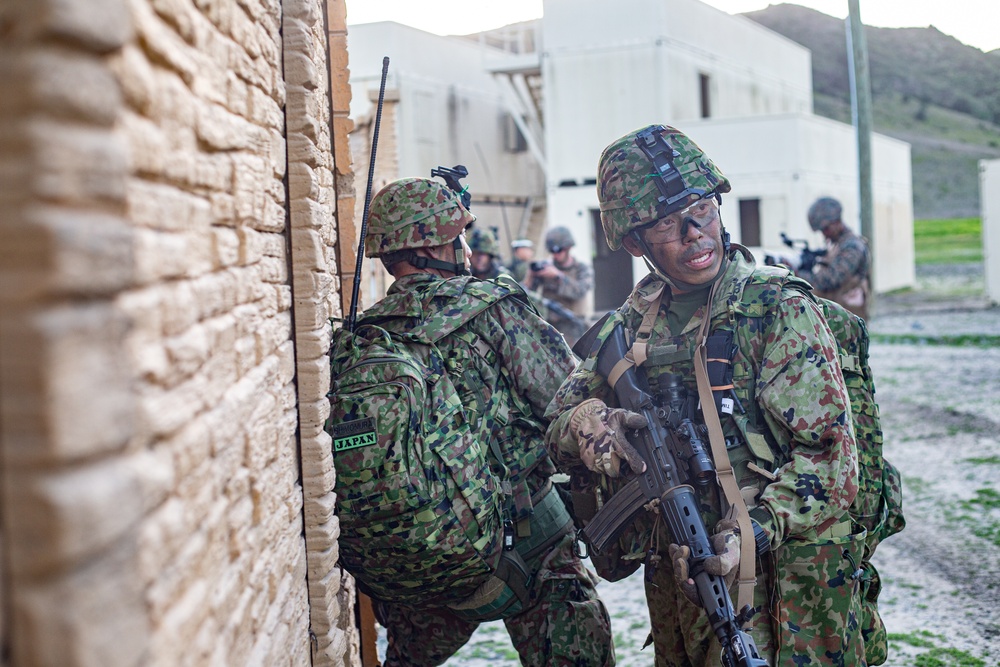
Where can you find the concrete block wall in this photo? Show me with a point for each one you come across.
(168, 263)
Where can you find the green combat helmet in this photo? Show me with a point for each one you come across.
(650, 173)
(824, 211)
(417, 213)
(484, 242)
(559, 238)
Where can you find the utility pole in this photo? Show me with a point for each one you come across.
(861, 108)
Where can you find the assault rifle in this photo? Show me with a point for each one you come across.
(671, 446)
(563, 313)
(808, 257)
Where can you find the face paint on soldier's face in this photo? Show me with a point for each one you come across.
(694, 258)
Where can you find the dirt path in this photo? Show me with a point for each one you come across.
(940, 407)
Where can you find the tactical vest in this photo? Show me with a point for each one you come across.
(758, 447)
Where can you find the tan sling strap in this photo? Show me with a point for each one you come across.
(638, 352)
(723, 466)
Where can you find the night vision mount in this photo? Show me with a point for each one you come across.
(453, 179)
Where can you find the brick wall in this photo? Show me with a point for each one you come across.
(168, 264)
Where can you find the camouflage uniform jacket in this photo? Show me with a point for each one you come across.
(494, 270)
(842, 275)
(571, 289)
(794, 456)
(515, 349)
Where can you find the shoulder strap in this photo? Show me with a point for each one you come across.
(638, 351)
(723, 466)
(442, 324)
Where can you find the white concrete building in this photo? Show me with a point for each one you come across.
(443, 107)
(741, 91)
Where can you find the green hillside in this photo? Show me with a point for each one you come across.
(928, 89)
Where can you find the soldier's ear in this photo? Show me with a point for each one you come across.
(632, 244)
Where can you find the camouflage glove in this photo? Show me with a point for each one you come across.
(725, 563)
(600, 433)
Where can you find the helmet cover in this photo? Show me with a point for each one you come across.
(483, 241)
(414, 213)
(822, 212)
(629, 186)
(559, 238)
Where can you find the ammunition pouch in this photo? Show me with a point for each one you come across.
(509, 591)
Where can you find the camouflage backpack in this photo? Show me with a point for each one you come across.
(878, 505)
(422, 510)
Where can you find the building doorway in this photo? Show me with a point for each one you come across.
(750, 222)
(612, 271)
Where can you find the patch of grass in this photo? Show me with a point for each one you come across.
(920, 639)
(985, 498)
(947, 657)
(959, 340)
(916, 485)
(948, 241)
(936, 656)
(985, 501)
(984, 460)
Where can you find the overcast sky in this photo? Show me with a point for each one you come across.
(974, 22)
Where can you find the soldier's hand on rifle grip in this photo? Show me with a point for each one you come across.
(679, 561)
(725, 563)
(726, 545)
(600, 433)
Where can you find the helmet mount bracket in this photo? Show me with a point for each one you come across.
(668, 180)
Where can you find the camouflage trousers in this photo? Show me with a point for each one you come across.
(809, 611)
(567, 626)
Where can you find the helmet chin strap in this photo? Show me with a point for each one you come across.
(458, 267)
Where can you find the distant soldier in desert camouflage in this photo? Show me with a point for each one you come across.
(842, 274)
(789, 437)
(565, 280)
(506, 363)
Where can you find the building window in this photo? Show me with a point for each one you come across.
(705, 82)
(750, 222)
(513, 140)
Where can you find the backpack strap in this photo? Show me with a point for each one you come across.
(723, 466)
(479, 296)
(638, 351)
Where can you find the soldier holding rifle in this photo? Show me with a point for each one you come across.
(737, 368)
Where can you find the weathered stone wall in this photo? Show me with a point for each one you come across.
(168, 265)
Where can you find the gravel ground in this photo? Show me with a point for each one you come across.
(940, 408)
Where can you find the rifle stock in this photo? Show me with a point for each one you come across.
(661, 487)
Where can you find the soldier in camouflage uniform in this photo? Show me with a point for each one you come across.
(485, 255)
(842, 275)
(565, 280)
(417, 229)
(523, 251)
(792, 448)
